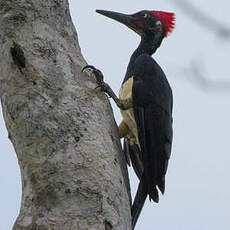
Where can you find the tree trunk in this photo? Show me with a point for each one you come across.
(73, 172)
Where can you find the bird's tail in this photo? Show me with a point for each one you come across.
(138, 203)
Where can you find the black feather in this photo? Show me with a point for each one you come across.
(135, 157)
(138, 203)
(152, 105)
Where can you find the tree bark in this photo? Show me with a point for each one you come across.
(73, 171)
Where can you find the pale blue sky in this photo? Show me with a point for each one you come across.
(197, 188)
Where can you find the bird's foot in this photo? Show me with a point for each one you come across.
(99, 79)
(125, 104)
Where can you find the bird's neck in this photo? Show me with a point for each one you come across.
(148, 45)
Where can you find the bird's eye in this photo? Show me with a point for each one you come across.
(158, 23)
(144, 15)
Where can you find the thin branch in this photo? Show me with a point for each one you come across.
(196, 75)
(203, 19)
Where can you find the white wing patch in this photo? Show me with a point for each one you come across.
(128, 116)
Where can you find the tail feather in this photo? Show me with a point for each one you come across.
(126, 151)
(133, 154)
(153, 194)
(138, 203)
(135, 160)
(161, 185)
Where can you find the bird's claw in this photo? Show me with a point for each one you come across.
(99, 78)
(98, 74)
(106, 88)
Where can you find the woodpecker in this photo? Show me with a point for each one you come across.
(146, 102)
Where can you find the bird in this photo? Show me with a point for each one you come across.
(146, 103)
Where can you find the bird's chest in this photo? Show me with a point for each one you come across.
(128, 115)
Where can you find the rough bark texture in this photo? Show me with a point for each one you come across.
(73, 172)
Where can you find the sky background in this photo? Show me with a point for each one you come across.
(198, 186)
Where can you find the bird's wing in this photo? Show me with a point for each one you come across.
(152, 105)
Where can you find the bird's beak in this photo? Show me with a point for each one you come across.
(125, 19)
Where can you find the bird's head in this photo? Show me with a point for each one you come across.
(145, 23)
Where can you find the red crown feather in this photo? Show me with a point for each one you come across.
(167, 19)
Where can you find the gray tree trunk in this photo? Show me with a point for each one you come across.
(73, 171)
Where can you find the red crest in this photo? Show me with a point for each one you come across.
(167, 19)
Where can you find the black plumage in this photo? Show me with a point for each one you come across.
(152, 106)
(147, 122)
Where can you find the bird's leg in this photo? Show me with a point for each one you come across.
(122, 104)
